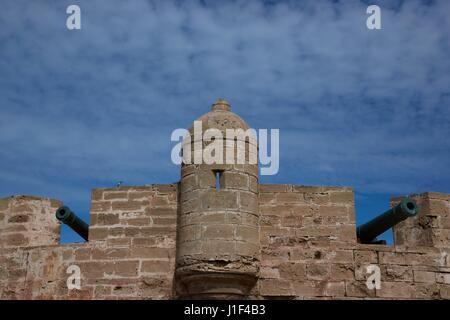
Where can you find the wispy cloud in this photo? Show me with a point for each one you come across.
(355, 107)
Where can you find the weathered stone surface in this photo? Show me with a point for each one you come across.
(276, 287)
(28, 220)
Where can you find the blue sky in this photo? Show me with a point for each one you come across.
(355, 107)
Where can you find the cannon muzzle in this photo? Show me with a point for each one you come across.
(369, 231)
(68, 217)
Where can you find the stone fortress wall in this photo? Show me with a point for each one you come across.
(245, 240)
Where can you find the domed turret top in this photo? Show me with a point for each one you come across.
(221, 105)
(220, 117)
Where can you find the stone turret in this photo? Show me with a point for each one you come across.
(218, 249)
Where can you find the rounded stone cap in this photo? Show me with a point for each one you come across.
(221, 105)
(220, 117)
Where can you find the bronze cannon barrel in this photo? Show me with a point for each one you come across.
(369, 231)
(68, 217)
